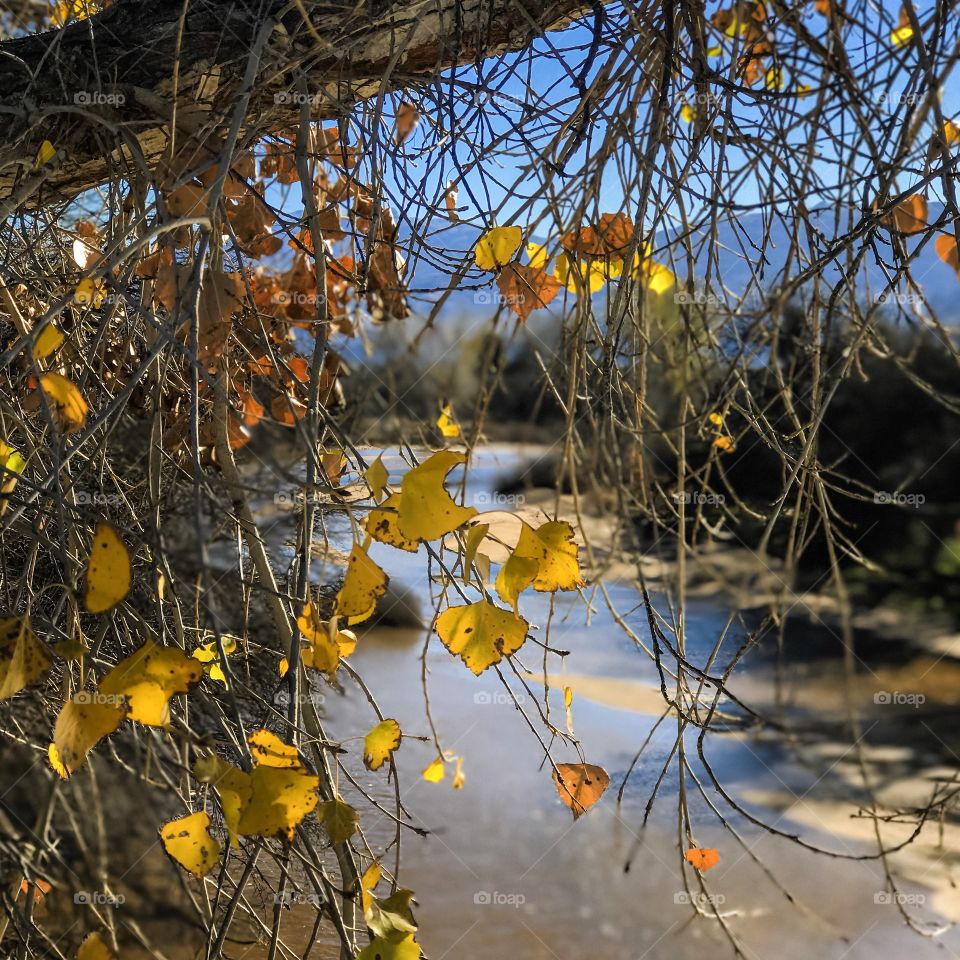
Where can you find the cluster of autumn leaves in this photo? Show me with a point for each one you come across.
(590, 256)
(251, 315)
(910, 215)
(747, 24)
(278, 791)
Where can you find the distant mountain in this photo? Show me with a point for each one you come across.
(747, 257)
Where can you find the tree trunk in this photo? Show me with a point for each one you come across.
(106, 91)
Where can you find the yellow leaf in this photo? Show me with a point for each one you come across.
(188, 841)
(446, 423)
(364, 582)
(559, 567)
(326, 644)
(209, 656)
(148, 679)
(716, 419)
(383, 524)
(391, 919)
(234, 788)
(545, 557)
(45, 154)
(280, 798)
(268, 750)
(426, 511)
(380, 742)
(11, 460)
(108, 573)
(81, 724)
(268, 801)
(48, 342)
(339, 818)
(53, 755)
(725, 444)
(434, 772)
(774, 79)
(369, 880)
(68, 408)
(458, 778)
(12, 464)
(659, 278)
(515, 576)
(90, 291)
(538, 255)
(23, 658)
(714, 51)
(481, 634)
(377, 477)
(381, 949)
(93, 948)
(901, 36)
(687, 113)
(592, 273)
(475, 536)
(580, 785)
(568, 707)
(496, 247)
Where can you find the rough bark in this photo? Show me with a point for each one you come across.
(66, 86)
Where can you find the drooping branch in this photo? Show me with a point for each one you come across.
(107, 92)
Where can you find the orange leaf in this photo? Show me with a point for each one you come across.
(287, 410)
(909, 216)
(702, 858)
(408, 116)
(190, 200)
(526, 288)
(580, 785)
(946, 245)
(253, 409)
(612, 237)
(450, 198)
